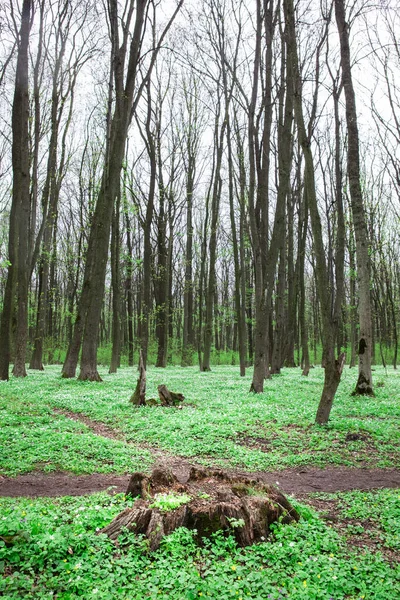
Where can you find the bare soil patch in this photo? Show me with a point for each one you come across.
(96, 426)
(39, 484)
(291, 481)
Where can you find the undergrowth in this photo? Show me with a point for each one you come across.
(221, 423)
(52, 549)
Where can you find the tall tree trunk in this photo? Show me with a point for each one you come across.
(212, 248)
(146, 296)
(239, 274)
(129, 285)
(116, 288)
(333, 368)
(161, 283)
(188, 341)
(353, 299)
(261, 313)
(191, 149)
(340, 232)
(292, 287)
(277, 348)
(49, 203)
(18, 250)
(364, 382)
(303, 228)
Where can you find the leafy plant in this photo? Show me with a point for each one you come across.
(167, 502)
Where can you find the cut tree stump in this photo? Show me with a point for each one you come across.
(217, 501)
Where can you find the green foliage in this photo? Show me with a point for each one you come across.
(52, 547)
(380, 508)
(32, 437)
(221, 423)
(167, 502)
(62, 554)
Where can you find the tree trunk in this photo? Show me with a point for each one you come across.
(332, 367)
(18, 250)
(364, 382)
(333, 373)
(292, 287)
(261, 314)
(116, 288)
(129, 286)
(239, 274)
(219, 136)
(147, 250)
(161, 284)
(138, 397)
(353, 300)
(303, 228)
(188, 341)
(277, 349)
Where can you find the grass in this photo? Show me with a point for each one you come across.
(221, 422)
(50, 548)
(367, 518)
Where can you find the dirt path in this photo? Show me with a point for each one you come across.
(292, 481)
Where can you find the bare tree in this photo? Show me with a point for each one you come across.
(18, 246)
(333, 367)
(127, 94)
(65, 29)
(364, 382)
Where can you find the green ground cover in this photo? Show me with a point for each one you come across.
(33, 438)
(50, 548)
(54, 551)
(220, 422)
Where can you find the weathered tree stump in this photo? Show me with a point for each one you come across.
(214, 501)
(168, 398)
(138, 397)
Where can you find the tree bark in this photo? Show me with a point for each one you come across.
(18, 250)
(161, 283)
(212, 248)
(191, 151)
(128, 286)
(138, 397)
(116, 288)
(333, 368)
(364, 382)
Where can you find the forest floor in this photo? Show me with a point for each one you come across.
(68, 449)
(291, 481)
(305, 484)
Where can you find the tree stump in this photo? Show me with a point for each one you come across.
(138, 397)
(212, 501)
(168, 398)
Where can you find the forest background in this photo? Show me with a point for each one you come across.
(212, 182)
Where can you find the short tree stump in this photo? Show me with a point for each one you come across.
(210, 500)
